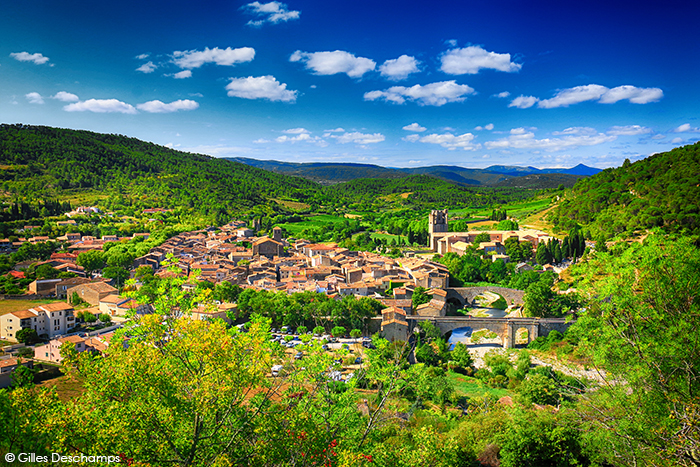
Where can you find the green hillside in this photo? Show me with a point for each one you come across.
(662, 190)
(45, 163)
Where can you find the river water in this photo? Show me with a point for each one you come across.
(463, 334)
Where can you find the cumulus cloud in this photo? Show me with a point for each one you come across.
(34, 98)
(272, 12)
(260, 87)
(502, 95)
(302, 135)
(161, 107)
(523, 102)
(676, 140)
(470, 60)
(37, 58)
(485, 127)
(296, 131)
(359, 138)
(101, 106)
(142, 56)
(411, 138)
(64, 96)
(451, 141)
(184, 74)
(628, 130)
(520, 138)
(436, 94)
(633, 94)
(399, 68)
(686, 128)
(226, 57)
(148, 67)
(331, 63)
(602, 94)
(414, 127)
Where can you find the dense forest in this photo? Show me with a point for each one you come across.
(662, 190)
(41, 164)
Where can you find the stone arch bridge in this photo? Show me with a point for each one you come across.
(504, 327)
(461, 296)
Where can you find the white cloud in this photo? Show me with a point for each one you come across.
(34, 98)
(676, 140)
(260, 87)
(399, 68)
(628, 130)
(36, 58)
(337, 130)
(436, 94)
(472, 59)
(411, 138)
(452, 142)
(331, 63)
(142, 56)
(602, 94)
(302, 136)
(575, 95)
(633, 94)
(485, 127)
(64, 96)
(272, 12)
(572, 138)
(147, 67)
(686, 128)
(184, 74)
(101, 106)
(575, 130)
(502, 95)
(226, 57)
(414, 127)
(523, 102)
(161, 107)
(359, 138)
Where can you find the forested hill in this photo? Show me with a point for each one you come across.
(662, 190)
(46, 162)
(41, 164)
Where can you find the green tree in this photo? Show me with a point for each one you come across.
(461, 356)
(91, 260)
(420, 296)
(27, 336)
(642, 327)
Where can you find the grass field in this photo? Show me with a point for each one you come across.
(313, 222)
(471, 387)
(8, 306)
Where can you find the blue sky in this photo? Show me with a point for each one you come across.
(399, 84)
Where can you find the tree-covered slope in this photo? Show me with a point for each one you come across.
(41, 162)
(662, 190)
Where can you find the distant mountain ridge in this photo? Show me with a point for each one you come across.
(329, 173)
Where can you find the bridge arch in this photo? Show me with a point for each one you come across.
(465, 295)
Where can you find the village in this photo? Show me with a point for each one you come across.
(233, 254)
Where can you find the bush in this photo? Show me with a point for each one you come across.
(105, 318)
(318, 330)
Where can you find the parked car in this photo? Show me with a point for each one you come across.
(298, 356)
